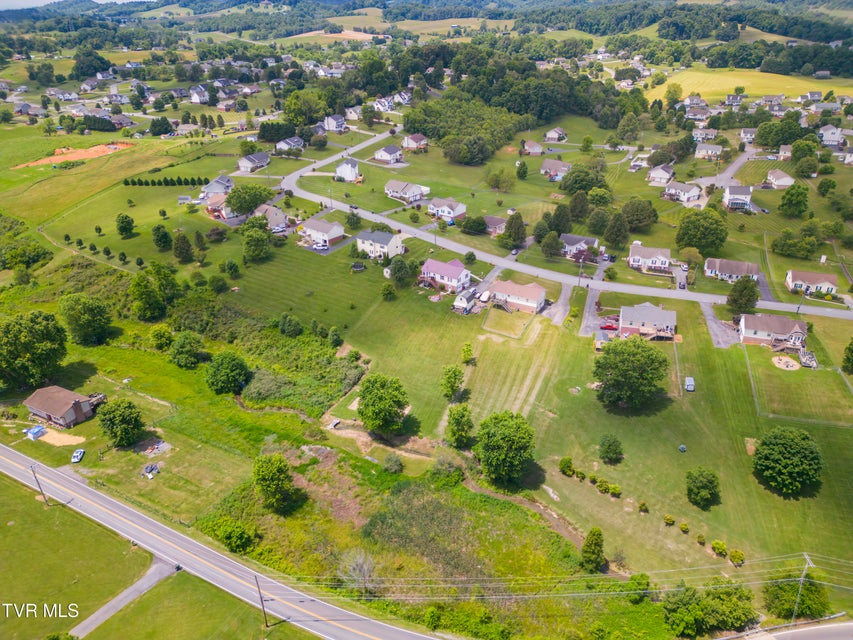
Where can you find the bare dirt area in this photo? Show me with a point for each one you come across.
(343, 35)
(60, 438)
(750, 445)
(67, 153)
(784, 362)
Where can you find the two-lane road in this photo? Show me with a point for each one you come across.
(319, 617)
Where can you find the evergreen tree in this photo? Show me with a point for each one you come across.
(592, 552)
(616, 233)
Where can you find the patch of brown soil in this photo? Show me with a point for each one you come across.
(353, 406)
(784, 362)
(66, 153)
(60, 438)
(750, 445)
(343, 351)
(509, 149)
(678, 338)
(343, 35)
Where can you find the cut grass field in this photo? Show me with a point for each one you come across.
(54, 555)
(184, 607)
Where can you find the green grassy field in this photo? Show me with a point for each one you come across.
(187, 608)
(53, 555)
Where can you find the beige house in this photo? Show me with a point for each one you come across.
(730, 270)
(769, 329)
(378, 244)
(529, 298)
(809, 282)
(59, 406)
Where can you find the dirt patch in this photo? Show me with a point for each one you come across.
(67, 153)
(595, 386)
(327, 486)
(60, 438)
(509, 149)
(551, 493)
(784, 362)
(343, 35)
(678, 338)
(353, 406)
(750, 445)
(152, 447)
(343, 351)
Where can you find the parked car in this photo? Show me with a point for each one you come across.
(514, 252)
(609, 326)
(77, 456)
(319, 246)
(689, 384)
(684, 267)
(612, 257)
(682, 285)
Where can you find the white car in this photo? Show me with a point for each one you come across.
(684, 267)
(77, 456)
(320, 247)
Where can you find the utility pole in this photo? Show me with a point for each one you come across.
(263, 606)
(43, 496)
(808, 566)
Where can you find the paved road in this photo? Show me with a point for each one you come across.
(842, 631)
(283, 602)
(727, 177)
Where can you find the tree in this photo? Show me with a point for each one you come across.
(183, 250)
(592, 551)
(586, 144)
(459, 426)
(561, 220)
(727, 605)
(353, 220)
(273, 480)
(802, 149)
(87, 318)
(640, 215)
(616, 233)
(598, 220)
(847, 361)
(672, 95)
(521, 170)
(121, 421)
(160, 126)
(806, 167)
(599, 197)
(690, 255)
(551, 245)
(504, 446)
(452, 378)
(795, 201)
(629, 128)
(186, 350)
(335, 338)
(706, 230)
(610, 448)
(161, 237)
(245, 198)
(227, 373)
(368, 115)
(256, 245)
(788, 460)
(474, 225)
(782, 593)
(703, 488)
(743, 296)
(124, 225)
(31, 347)
(825, 186)
(289, 326)
(630, 372)
(381, 403)
(399, 271)
(467, 355)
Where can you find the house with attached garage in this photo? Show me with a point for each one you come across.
(809, 282)
(322, 232)
(768, 329)
(347, 171)
(531, 148)
(494, 225)
(199, 94)
(217, 207)
(831, 136)
(405, 191)
(661, 174)
(578, 245)
(253, 162)
(649, 258)
(730, 270)
(389, 155)
(703, 135)
(220, 184)
(353, 113)
(378, 244)
(747, 135)
(555, 135)
(292, 143)
(335, 123)
(554, 170)
(452, 276)
(415, 142)
(708, 151)
(447, 209)
(59, 406)
(779, 179)
(647, 320)
(737, 197)
(682, 192)
(529, 298)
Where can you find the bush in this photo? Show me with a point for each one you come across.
(566, 467)
(684, 527)
(700, 539)
(669, 520)
(643, 507)
(603, 486)
(580, 475)
(703, 488)
(610, 449)
(593, 478)
(392, 463)
(737, 557)
(719, 547)
(615, 491)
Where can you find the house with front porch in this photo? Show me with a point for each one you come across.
(748, 135)
(682, 192)
(831, 136)
(649, 258)
(389, 155)
(767, 329)
(447, 209)
(576, 245)
(809, 282)
(737, 197)
(452, 276)
(647, 320)
(730, 270)
(494, 225)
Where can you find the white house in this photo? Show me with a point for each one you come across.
(661, 174)
(737, 197)
(322, 232)
(784, 152)
(708, 151)
(648, 320)
(378, 244)
(768, 329)
(335, 123)
(353, 113)
(199, 95)
(452, 275)
(779, 179)
(809, 282)
(830, 136)
(730, 270)
(347, 170)
(389, 155)
(220, 184)
(253, 162)
(532, 148)
(554, 170)
(447, 209)
(555, 135)
(290, 144)
(465, 301)
(529, 298)
(648, 258)
(405, 191)
(747, 135)
(573, 245)
(703, 135)
(683, 192)
(415, 142)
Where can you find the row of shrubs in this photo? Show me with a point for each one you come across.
(566, 466)
(165, 182)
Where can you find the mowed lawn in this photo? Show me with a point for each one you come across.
(53, 555)
(184, 607)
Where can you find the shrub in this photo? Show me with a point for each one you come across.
(737, 558)
(581, 475)
(610, 449)
(615, 491)
(669, 520)
(643, 507)
(700, 539)
(603, 486)
(684, 527)
(392, 463)
(719, 547)
(593, 478)
(566, 467)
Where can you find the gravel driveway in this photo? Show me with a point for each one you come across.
(723, 335)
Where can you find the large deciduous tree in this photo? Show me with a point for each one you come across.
(784, 591)
(124, 225)
(121, 421)
(451, 381)
(639, 214)
(743, 295)
(274, 481)
(186, 350)
(795, 201)
(245, 198)
(706, 230)
(703, 488)
(381, 403)
(616, 233)
(788, 460)
(227, 373)
(87, 318)
(504, 446)
(629, 372)
(847, 361)
(31, 347)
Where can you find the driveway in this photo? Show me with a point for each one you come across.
(764, 289)
(558, 311)
(722, 335)
(726, 178)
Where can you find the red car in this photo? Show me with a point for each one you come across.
(609, 326)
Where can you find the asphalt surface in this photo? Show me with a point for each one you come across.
(282, 602)
(842, 631)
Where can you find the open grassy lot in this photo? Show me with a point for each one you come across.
(184, 607)
(54, 555)
(714, 84)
